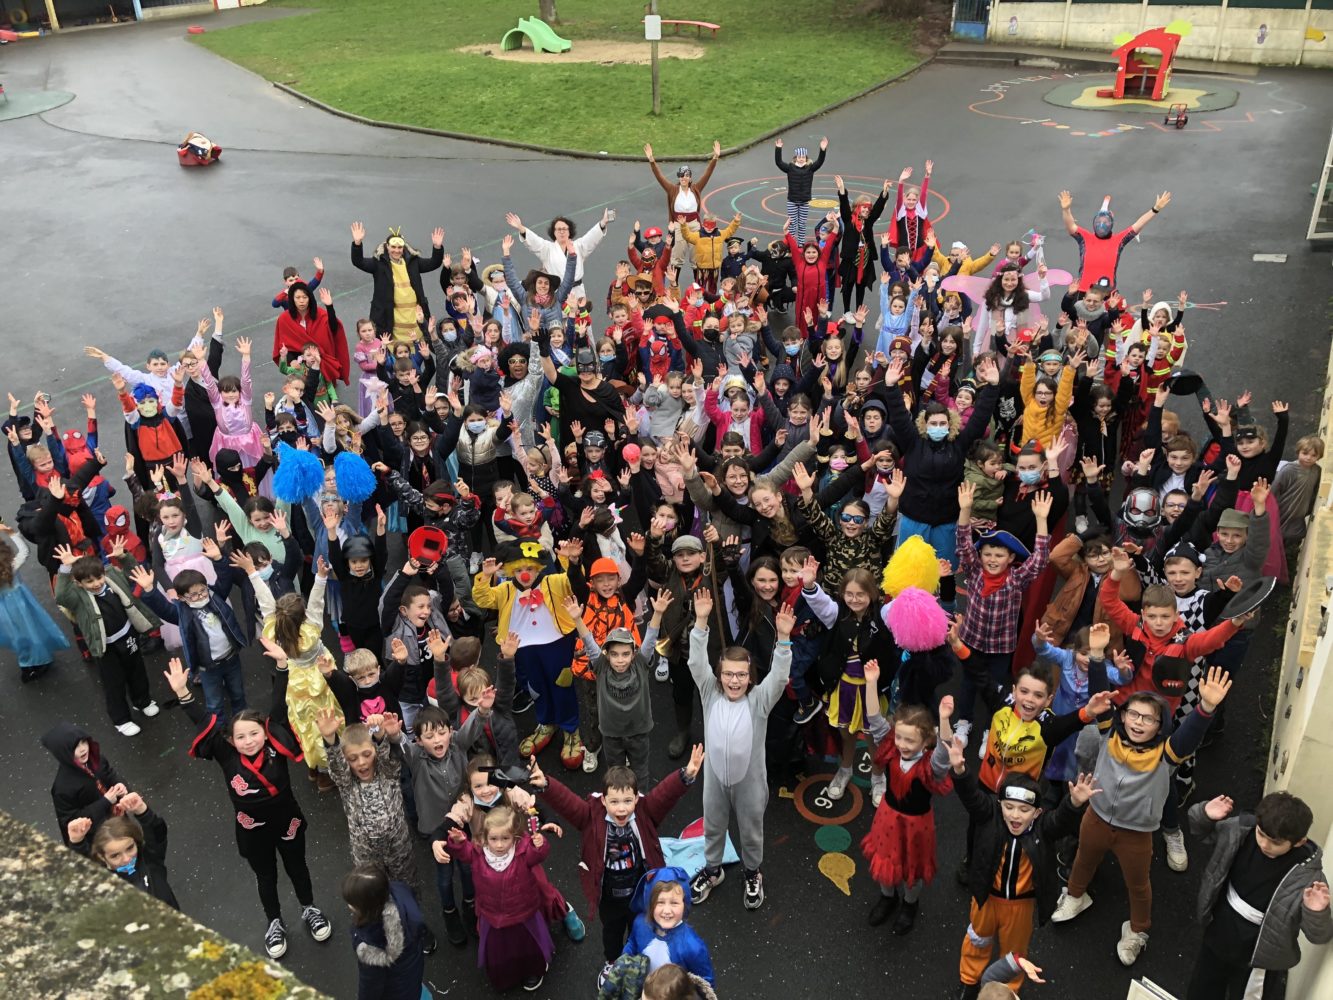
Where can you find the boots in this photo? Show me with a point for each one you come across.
(883, 909)
(469, 909)
(902, 924)
(681, 741)
(454, 929)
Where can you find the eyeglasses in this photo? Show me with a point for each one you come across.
(1133, 716)
(733, 675)
(196, 595)
(1173, 506)
(853, 519)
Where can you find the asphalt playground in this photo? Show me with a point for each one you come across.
(109, 242)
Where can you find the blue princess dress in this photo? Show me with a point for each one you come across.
(25, 627)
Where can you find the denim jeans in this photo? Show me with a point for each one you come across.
(444, 881)
(223, 682)
(942, 538)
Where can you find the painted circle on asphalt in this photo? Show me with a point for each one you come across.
(762, 201)
(812, 802)
(833, 838)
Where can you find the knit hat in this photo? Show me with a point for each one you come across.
(478, 354)
(1232, 518)
(603, 565)
(801, 151)
(958, 245)
(782, 371)
(900, 344)
(1185, 550)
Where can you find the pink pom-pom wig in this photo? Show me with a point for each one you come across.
(917, 621)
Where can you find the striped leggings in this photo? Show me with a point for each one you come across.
(798, 212)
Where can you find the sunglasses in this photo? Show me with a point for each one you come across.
(853, 519)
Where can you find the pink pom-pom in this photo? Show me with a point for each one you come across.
(917, 621)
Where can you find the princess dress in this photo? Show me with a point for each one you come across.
(25, 627)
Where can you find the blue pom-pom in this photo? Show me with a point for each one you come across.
(356, 483)
(299, 474)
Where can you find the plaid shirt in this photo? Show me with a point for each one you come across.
(991, 622)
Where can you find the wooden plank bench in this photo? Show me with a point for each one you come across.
(697, 25)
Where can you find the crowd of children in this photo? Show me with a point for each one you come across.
(522, 523)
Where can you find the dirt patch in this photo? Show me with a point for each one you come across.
(606, 53)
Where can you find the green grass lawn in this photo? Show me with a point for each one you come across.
(395, 60)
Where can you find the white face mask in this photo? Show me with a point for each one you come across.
(198, 605)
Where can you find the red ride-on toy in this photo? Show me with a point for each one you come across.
(197, 150)
(1176, 115)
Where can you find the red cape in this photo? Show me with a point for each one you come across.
(289, 335)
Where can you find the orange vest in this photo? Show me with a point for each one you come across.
(602, 616)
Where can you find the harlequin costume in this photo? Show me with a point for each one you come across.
(531, 602)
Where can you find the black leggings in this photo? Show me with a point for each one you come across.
(261, 853)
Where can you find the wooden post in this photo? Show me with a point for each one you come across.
(51, 14)
(657, 78)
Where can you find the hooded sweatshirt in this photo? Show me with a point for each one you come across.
(79, 789)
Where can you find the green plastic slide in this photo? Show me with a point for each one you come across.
(539, 33)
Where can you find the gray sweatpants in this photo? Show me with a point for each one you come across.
(628, 751)
(747, 800)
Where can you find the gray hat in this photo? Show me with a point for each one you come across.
(619, 635)
(1232, 518)
(686, 543)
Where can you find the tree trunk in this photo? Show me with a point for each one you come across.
(548, 11)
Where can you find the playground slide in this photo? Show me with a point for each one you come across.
(539, 33)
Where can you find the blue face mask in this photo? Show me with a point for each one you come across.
(476, 426)
(128, 867)
(1029, 477)
(793, 350)
(937, 433)
(450, 336)
(265, 572)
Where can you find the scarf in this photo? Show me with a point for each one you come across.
(992, 582)
(498, 862)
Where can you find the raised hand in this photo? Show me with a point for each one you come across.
(1315, 897)
(178, 679)
(329, 720)
(696, 761)
(1213, 691)
(1219, 808)
(1083, 789)
(703, 607)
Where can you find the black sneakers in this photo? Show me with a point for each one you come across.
(316, 923)
(275, 941)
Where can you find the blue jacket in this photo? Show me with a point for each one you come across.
(1072, 695)
(685, 947)
(389, 960)
(195, 650)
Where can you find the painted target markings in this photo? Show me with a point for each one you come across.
(812, 802)
(758, 212)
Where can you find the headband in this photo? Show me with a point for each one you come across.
(1014, 793)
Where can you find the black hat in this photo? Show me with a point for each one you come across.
(594, 439)
(358, 547)
(1171, 675)
(1249, 597)
(1185, 550)
(1184, 382)
(658, 311)
(1248, 432)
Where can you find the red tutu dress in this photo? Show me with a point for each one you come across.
(900, 846)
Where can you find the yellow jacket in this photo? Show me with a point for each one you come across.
(709, 250)
(1044, 425)
(968, 266)
(554, 588)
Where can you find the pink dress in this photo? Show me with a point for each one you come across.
(366, 357)
(236, 428)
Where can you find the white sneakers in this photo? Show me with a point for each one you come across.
(838, 786)
(878, 783)
(1131, 944)
(1070, 907)
(589, 760)
(150, 709)
(1177, 858)
(128, 729)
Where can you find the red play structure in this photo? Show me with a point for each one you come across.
(1145, 65)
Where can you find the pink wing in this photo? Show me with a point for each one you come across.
(971, 285)
(1054, 276)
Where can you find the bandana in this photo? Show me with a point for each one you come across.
(1013, 793)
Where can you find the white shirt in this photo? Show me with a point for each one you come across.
(535, 626)
(552, 258)
(686, 201)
